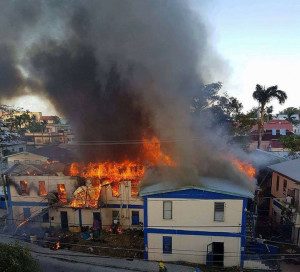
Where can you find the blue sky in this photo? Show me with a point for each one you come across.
(260, 41)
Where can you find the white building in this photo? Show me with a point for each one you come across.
(204, 223)
(43, 195)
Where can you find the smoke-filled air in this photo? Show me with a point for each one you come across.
(119, 70)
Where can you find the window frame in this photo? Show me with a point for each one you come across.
(277, 183)
(44, 184)
(223, 217)
(167, 244)
(164, 209)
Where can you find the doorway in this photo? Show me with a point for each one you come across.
(215, 254)
(97, 216)
(135, 218)
(64, 220)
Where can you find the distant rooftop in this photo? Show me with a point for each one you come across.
(275, 124)
(20, 169)
(290, 169)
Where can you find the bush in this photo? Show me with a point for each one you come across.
(15, 258)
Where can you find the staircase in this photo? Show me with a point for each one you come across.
(255, 251)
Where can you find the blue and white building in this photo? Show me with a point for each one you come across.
(204, 223)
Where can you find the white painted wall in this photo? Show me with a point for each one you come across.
(193, 248)
(193, 214)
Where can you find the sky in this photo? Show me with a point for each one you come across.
(259, 41)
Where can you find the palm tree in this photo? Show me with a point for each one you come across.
(264, 96)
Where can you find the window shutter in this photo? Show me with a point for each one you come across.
(219, 211)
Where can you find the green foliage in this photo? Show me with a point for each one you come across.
(15, 258)
(291, 111)
(291, 142)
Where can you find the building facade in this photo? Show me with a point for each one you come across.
(38, 197)
(285, 204)
(195, 224)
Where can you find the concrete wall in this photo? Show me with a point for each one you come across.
(193, 248)
(280, 192)
(189, 214)
(193, 228)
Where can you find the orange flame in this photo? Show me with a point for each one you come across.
(111, 172)
(245, 167)
(57, 246)
(62, 194)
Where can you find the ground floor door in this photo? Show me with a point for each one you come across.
(26, 212)
(135, 218)
(64, 220)
(215, 254)
(97, 216)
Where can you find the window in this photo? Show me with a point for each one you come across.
(283, 131)
(42, 188)
(115, 216)
(273, 131)
(219, 211)
(167, 244)
(115, 189)
(24, 187)
(21, 149)
(284, 185)
(62, 194)
(167, 212)
(277, 183)
(46, 217)
(134, 188)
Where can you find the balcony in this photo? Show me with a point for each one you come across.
(289, 209)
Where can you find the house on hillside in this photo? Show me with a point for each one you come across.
(296, 127)
(273, 130)
(24, 158)
(201, 223)
(285, 204)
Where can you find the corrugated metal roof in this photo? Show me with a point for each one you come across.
(177, 179)
(289, 168)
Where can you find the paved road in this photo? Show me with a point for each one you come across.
(68, 261)
(49, 264)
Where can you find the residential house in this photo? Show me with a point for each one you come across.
(273, 130)
(201, 223)
(285, 205)
(45, 138)
(24, 158)
(296, 127)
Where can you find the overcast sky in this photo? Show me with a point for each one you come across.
(259, 39)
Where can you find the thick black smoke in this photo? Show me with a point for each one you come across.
(117, 69)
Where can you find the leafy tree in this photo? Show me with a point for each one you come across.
(290, 110)
(14, 258)
(264, 96)
(291, 142)
(291, 119)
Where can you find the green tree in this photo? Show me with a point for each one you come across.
(264, 96)
(291, 142)
(291, 119)
(15, 258)
(290, 110)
